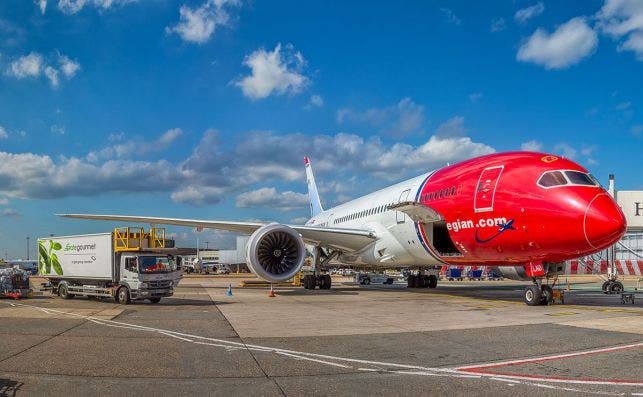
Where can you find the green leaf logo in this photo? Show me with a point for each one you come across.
(48, 258)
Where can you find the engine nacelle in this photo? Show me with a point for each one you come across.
(275, 252)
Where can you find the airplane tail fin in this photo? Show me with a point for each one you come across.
(313, 195)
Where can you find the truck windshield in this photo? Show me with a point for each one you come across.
(154, 264)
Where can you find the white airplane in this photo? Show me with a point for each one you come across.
(527, 212)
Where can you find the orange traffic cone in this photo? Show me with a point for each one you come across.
(271, 294)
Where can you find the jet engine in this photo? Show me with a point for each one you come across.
(275, 252)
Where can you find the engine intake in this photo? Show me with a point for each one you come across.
(275, 252)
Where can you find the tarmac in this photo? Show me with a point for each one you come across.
(462, 338)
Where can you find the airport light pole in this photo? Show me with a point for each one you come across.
(27, 247)
(207, 245)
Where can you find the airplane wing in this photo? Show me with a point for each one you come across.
(417, 211)
(348, 240)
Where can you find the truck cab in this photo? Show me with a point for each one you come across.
(146, 276)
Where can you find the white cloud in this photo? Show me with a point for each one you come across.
(26, 66)
(58, 129)
(524, 14)
(52, 76)
(532, 146)
(566, 46)
(316, 100)
(122, 148)
(3, 133)
(566, 151)
(637, 129)
(624, 106)
(623, 19)
(43, 5)
(399, 120)
(216, 171)
(450, 16)
(272, 72)
(497, 25)
(4, 201)
(68, 66)
(34, 65)
(169, 136)
(269, 197)
(197, 25)
(452, 127)
(9, 212)
(74, 6)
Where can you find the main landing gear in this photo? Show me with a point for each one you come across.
(538, 293)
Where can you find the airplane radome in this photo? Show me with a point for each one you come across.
(523, 210)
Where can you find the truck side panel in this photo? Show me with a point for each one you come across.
(88, 256)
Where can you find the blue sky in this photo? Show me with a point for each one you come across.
(205, 108)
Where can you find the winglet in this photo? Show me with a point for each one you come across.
(313, 195)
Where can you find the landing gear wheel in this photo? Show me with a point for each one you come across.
(309, 281)
(324, 281)
(122, 296)
(155, 300)
(64, 293)
(329, 281)
(616, 287)
(547, 295)
(433, 281)
(425, 281)
(532, 295)
(367, 280)
(411, 282)
(606, 287)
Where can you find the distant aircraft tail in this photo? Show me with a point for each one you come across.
(313, 195)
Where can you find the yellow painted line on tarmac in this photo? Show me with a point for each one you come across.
(562, 314)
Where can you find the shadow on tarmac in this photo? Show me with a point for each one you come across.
(9, 388)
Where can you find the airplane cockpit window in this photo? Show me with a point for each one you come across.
(580, 178)
(552, 178)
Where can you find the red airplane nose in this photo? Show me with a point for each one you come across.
(604, 222)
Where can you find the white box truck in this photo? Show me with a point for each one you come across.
(126, 265)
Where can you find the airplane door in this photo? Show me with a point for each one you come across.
(400, 217)
(486, 189)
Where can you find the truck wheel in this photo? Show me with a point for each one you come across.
(367, 281)
(155, 300)
(64, 293)
(123, 296)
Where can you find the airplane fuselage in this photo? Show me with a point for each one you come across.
(500, 209)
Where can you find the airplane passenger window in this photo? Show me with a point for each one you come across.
(453, 190)
(552, 178)
(579, 178)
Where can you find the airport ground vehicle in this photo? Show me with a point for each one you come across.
(127, 264)
(474, 274)
(374, 278)
(454, 274)
(492, 276)
(14, 282)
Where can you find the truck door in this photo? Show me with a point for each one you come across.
(400, 217)
(486, 189)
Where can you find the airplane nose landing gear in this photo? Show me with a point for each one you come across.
(538, 294)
